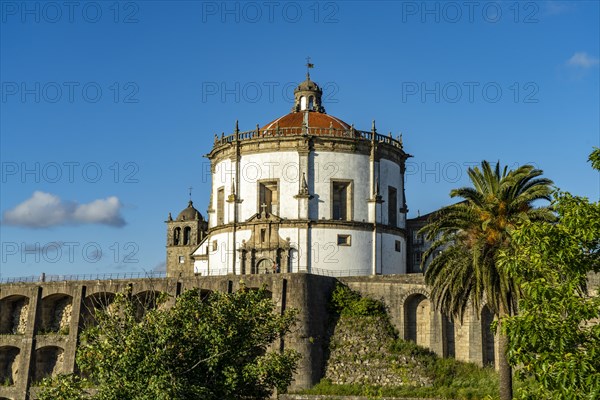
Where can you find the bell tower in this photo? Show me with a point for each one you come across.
(307, 96)
(184, 234)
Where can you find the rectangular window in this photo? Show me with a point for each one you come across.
(215, 244)
(417, 258)
(344, 240)
(220, 206)
(392, 206)
(398, 246)
(417, 238)
(341, 200)
(263, 235)
(268, 197)
(181, 259)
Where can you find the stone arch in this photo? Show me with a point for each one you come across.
(488, 342)
(413, 291)
(263, 266)
(13, 314)
(417, 319)
(48, 361)
(9, 364)
(55, 315)
(92, 303)
(187, 235)
(145, 301)
(176, 236)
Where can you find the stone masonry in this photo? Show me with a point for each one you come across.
(40, 322)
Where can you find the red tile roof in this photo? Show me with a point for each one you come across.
(315, 120)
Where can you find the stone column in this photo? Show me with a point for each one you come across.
(436, 338)
(26, 356)
(71, 345)
(475, 337)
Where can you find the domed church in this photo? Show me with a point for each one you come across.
(306, 192)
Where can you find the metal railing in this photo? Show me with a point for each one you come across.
(337, 273)
(331, 132)
(83, 277)
(155, 275)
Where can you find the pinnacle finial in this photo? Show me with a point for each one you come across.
(237, 126)
(373, 127)
(304, 183)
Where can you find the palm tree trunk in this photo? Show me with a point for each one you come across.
(504, 368)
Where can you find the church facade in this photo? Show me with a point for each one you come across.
(306, 192)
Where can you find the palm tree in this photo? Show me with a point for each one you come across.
(467, 237)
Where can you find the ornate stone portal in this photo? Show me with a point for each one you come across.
(266, 252)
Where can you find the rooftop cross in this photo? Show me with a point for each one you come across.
(264, 208)
(190, 188)
(308, 66)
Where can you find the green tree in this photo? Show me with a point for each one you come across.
(63, 387)
(216, 346)
(555, 338)
(467, 237)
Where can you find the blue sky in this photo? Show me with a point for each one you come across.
(107, 108)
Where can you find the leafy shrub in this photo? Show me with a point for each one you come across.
(347, 302)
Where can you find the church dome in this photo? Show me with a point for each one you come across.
(189, 213)
(308, 85)
(307, 111)
(310, 118)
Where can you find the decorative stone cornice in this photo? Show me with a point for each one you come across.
(303, 223)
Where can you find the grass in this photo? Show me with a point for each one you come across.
(452, 379)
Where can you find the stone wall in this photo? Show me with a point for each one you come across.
(41, 321)
(358, 353)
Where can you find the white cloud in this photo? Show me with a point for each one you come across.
(582, 60)
(43, 210)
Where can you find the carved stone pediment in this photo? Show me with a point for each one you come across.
(265, 251)
(265, 235)
(264, 217)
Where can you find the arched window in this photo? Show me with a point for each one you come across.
(176, 236)
(302, 103)
(187, 232)
(311, 102)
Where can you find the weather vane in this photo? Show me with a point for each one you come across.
(308, 67)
